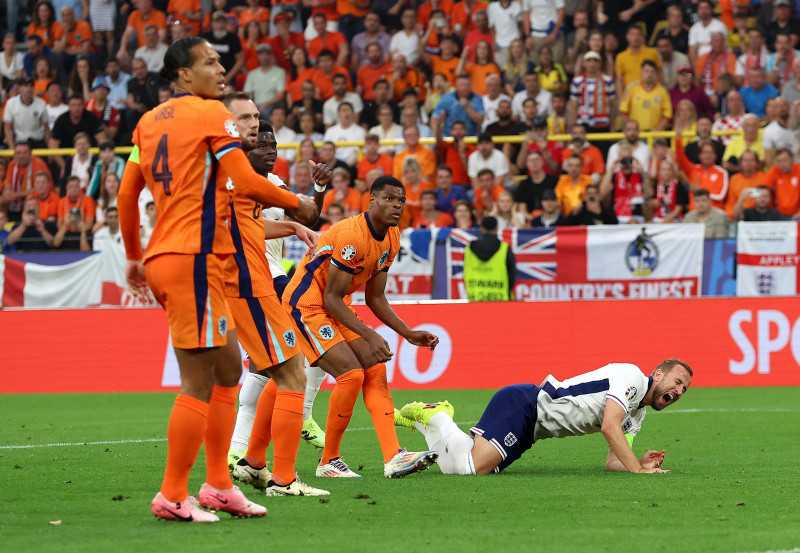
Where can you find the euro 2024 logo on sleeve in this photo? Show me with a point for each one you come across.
(642, 255)
(348, 252)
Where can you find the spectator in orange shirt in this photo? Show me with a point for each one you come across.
(414, 183)
(487, 193)
(371, 72)
(403, 77)
(285, 41)
(593, 163)
(462, 19)
(75, 198)
(342, 193)
(706, 175)
(186, 12)
(48, 200)
(784, 181)
(323, 74)
(373, 159)
(138, 20)
(712, 64)
(429, 216)
(482, 67)
(424, 11)
(44, 23)
(333, 41)
(300, 72)
(571, 186)
(455, 154)
(424, 155)
(254, 12)
(744, 182)
(447, 61)
(481, 33)
(77, 36)
(333, 215)
(19, 179)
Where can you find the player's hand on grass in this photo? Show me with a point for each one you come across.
(652, 459)
(320, 173)
(307, 211)
(137, 284)
(423, 339)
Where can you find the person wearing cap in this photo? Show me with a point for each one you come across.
(145, 15)
(25, 117)
(153, 50)
(592, 96)
(490, 268)
(685, 89)
(284, 41)
(267, 82)
(782, 22)
(109, 115)
(226, 44)
(701, 32)
(671, 61)
(551, 215)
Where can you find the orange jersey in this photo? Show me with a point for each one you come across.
(180, 143)
(714, 179)
(351, 202)
(176, 6)
(383, 162)
(738, 184)
(350, 245)
(785, 188)
(445, 67)
(48, 208)
(139, 22)
(247, 273)
(48, 36)
(80, 34)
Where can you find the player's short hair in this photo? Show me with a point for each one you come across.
(489, 224)
(178, 55)
(669, 364)
(264, 126)
(382, 182)
(701, 193)
(228, 98)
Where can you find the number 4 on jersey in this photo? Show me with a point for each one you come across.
(164, 176)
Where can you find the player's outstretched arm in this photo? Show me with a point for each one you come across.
(258, 188)
(282, 229)
(620, 455)
(375, 297)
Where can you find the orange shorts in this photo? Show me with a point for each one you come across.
(265, 330)
(319, 331)
(191, 289)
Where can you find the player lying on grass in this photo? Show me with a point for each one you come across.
(611, 399)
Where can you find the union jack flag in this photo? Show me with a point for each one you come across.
(534, 249)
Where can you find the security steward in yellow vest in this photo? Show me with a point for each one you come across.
(489, 266)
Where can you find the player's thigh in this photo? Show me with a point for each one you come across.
(318, 332)
(338, 360)
(265, 330)
(228, 369)
(191, 290)
(289, 375)
(485, 456)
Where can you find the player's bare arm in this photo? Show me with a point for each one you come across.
(321, 175)
(376, 300)
(282, 229)
(619, 448)
(335, 291)
(128, 207)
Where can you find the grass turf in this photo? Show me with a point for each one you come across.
(733, 487)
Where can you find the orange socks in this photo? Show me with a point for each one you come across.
(262, 425)
(187, 425)
(340, 409)
(221, 419)
(381, 408)
(287, 424)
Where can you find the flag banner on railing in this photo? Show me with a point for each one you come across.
(627, 261)
(767, 256)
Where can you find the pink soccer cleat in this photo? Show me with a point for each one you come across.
(187, 510)
(231, 501)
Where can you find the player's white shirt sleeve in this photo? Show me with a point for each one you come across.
(275, 245)
(627, 385)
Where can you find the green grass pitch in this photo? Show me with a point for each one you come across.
(734, 485)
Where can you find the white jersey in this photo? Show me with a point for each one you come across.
(576, 406)
(275, 245)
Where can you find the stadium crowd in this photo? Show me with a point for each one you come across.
(329, 74)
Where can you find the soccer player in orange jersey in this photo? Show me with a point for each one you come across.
(266, 331)
(354, 252)
(184, 151)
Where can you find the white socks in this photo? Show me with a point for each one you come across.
(248, 399)
(314, 378)
(453, 445)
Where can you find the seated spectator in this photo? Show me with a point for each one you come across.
(326, 71)
(325, 40)
(283, 134)
(81, 78)
(342, 193)
(505, 126)
(328, 156)
(628, 63)
(480, 69)
(403, 76)
(487, 191)
(685, 121)
(285, 41)
(424, 156)
(266, 82)
(406, 40)
(82, 163)
(491, 100)
(5, 228)
(308, 130)
(153, 50)
(685, 89)
(455, 154)
(107, 162)
(532, 90)
(55, 103)
(227, 45)
(733, 120)
(48, 199)
(12, 64)
(42, 78)
(622, 187)
(373, 159)
(571, 186)
(301, 180)
(144, 15)
(592, 163)
(552, 76)
(148, 224)
(109, 237)
(701, 34)
(346, 131)
(44, 24)
(557, 122)
(117, 81)
(716, 220)
(704, 126)
(142, 92)
(447, 195)
(446, 61)
(536, 140)
(382, 97)
(750, 139)
(332, 215)
(371, 35)
(706, 175)
(529, 191)
(550, 215)
(414, 182)
(462, 216)
(781, 179)
(671, 63)
(488, 157)
(641, 151)
(647, 102)
(593, 98)
(25, 117)
(36, 50)
(187, 14)
(410, 117)
(591, 211)
(300, 73)
(711, 65)
(745, 181)
(754, 54)
(504, 212)
(374, 68)
(108, 200)
(429, 216)
(670, 199)
(516, 66)
(108, 115)
(761, 210)
(386, 129)
(74, 198)
(31, 233)
(756, 94)
(254, 12)
(777, 134)
(305, 104)
(19, 179)
(330, 108)
(480, 33)
(779, 66)
(73, 233)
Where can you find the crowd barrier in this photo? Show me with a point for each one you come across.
(728, 342)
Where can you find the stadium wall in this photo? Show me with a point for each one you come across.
(728, 342)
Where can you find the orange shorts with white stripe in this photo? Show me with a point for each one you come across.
(191, 289)
(265, 330)
(319, 331)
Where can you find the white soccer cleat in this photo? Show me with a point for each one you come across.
(247, 474)
(408, 462)
(336, 468)
(296, 487)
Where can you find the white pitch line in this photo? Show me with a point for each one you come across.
(795, 550)
(753, 410)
